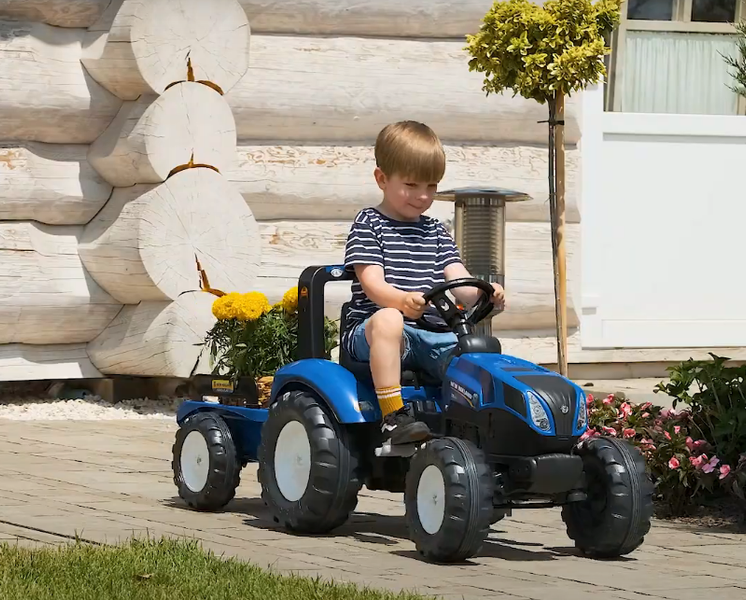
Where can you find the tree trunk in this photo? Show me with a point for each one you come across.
(557, 213)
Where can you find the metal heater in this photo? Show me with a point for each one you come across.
(479, 232)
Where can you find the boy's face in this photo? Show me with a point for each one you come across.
(404, 197)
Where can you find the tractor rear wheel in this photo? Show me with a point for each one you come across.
(308, 467)
(448, 500)
(615, 517)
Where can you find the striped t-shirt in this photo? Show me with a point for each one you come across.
(413, 256)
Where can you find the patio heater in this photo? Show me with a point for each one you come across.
(479, 233)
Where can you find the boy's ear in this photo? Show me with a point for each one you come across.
(380, 178)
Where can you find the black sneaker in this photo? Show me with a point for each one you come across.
(401, 427)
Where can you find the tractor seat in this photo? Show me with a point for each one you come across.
(361, 370)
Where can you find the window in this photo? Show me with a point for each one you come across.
(667, 57)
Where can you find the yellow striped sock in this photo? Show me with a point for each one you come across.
(389, 399)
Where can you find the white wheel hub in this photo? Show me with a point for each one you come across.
(195, 461)
(293, 461)
(431, 499)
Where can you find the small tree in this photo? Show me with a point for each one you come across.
(739, 62)
(545, 53)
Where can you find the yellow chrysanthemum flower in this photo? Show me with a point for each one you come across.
(252, 305)
(225, 307)
(290, 300)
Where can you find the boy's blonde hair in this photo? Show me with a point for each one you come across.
(411, 150)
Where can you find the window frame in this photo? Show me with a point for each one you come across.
(682, 15)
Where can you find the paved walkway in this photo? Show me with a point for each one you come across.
(106, 481)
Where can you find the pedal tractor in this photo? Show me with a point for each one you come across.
(506, 435)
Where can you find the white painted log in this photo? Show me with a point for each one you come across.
(142, 246)
(386, 18)
(139, 47)
(335, 182)
(156, 339)
(60, 13)
(52, 184)
(46, 296)
(290, 246)
(25, 362)
(45, 94)
(152, 135)
(346, 89)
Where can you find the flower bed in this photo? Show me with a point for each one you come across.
(686, 467)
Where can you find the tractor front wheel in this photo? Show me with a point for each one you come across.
(308, 467)
(615, 517)
(448, 499)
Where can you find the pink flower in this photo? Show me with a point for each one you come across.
(645, 415)
(646, 406)
(629, 432)
(699, 444)
(690, 443)
(677, 429)
(590, 399)
(674, 463)
(609, 431)
(697, 460)
(648, 443)
(666, 412)
(609, 399)
(710, 466)
(724, 471)
(668, 435)
(625, 409)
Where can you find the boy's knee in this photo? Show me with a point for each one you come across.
(386, 323)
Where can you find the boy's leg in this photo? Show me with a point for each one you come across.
(431, 351)
(381, 341)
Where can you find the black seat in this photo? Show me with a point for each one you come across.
(361, 370)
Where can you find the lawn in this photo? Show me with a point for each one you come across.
(156, 570)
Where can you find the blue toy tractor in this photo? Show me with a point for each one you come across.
(506, 436)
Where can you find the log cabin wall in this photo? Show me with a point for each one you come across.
(97, 108)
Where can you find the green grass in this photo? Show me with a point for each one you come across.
(156, 570)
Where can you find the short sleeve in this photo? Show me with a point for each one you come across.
(448, 253)
(363, 247)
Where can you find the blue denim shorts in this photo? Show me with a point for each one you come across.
(423, 350)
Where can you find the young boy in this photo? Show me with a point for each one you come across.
(397, 254)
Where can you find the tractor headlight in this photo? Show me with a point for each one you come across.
(538, 414)
(582, 414)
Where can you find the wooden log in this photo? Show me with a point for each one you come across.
(156, 339)
(335, 182)
(385, 18)
(144, 243)
(45, 94)
(24, 362)
(52, 184)
(139, 47)
(46, 296)
(346, 89)
(290, 246)
(60, 13)
(152, 135)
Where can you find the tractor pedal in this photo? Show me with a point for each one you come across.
(388, 449)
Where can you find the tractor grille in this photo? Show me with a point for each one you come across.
(558, 393)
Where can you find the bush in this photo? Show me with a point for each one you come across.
(685, 466)
(253, 338)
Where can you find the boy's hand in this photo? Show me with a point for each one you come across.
(498, 296)
(413, 305)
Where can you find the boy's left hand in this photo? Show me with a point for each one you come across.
(498, 296)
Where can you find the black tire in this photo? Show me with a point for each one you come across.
(334, 478)
(223, 473)
(467, 508)
(615, 518)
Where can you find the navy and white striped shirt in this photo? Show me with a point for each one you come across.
(413, 256)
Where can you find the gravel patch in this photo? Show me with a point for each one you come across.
(89, 408)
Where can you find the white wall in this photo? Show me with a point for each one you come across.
(663, 218)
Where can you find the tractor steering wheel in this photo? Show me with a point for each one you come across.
(456, 319)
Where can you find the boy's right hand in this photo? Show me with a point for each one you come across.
(413, 305)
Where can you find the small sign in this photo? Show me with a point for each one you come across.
(222, 385)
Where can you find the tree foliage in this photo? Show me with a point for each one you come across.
(738, 63)
(539, 50)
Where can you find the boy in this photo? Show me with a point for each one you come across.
(397, 254)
